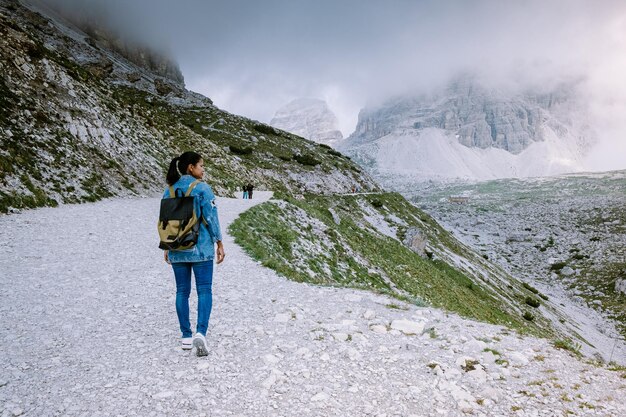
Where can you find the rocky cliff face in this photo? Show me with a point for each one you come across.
(500, 134)
(477, 116)
(100, 36)
(309, 118)
(80, 122)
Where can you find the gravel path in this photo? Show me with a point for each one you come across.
(88, 327)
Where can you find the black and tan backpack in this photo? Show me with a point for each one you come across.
(179, 224)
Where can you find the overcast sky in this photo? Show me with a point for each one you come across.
(253, 56)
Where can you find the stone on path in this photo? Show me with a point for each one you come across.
(378, 328)
(408, 327)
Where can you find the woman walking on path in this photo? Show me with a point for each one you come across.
(200, 257)
(245, 192)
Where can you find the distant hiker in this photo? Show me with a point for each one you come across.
(199, 257)
(245, 192)
(250, 188)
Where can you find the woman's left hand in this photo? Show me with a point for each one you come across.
(220, 252)
(166, 257)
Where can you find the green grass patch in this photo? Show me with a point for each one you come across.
(353, 254)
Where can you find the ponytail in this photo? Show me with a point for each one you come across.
(172, 174)
(179, 166)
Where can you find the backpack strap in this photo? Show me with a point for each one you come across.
(172, 192)
(191, 187)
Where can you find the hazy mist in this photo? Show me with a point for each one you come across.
(251, 57)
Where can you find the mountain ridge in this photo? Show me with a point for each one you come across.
(469, 131)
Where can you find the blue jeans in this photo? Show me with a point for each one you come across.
(203, 271)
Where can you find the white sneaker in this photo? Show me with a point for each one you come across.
(187, 343)
(199, 342)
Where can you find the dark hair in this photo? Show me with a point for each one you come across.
(179, 166)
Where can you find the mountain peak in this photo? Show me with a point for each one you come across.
(469, 130)
(310, 118)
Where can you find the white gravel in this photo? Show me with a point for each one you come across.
(88, 327)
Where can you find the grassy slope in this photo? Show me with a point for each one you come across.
(582, 216)
(304, 241)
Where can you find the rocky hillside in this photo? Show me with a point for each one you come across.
(564, 235)
(309, 118)
(470, 131)
(100, 36)
(382, 243)
(80, 122)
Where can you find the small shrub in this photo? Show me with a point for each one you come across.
(469, 365)
(545, 297)
(334, 152)
(240, 151)
(567, 345)
(323, 145)
(377, 203)
(262, 128)
(36, 50)
(533, 302)
(557, 266)
(530, 288)
(306, 159)
(528, 316)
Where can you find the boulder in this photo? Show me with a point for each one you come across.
(416, 241)
(407, 327)
(162, 87)
(133, 77)
(100, 68)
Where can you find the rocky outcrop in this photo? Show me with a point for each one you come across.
(99, 68)
(469, 131)
(475, 115)
(142, 56)
(99, 35)
(416, 241)
(309, 118)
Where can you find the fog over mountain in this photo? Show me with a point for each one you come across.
(252, 57)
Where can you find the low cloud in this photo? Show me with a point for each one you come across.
(253, 57)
